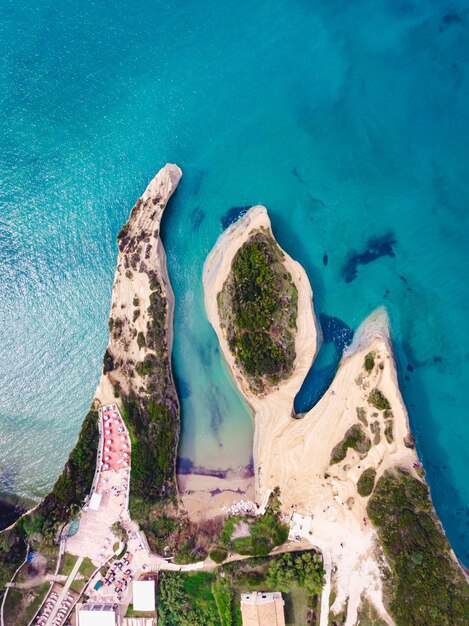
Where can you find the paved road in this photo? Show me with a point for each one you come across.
(65, 589)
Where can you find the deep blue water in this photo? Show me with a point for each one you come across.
(348, 120)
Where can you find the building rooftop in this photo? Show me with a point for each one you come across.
(262, 609)
(143, 595)
(96, 615)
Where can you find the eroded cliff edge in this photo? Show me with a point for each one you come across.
(349, 466)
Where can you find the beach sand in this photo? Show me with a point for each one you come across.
(205, 497)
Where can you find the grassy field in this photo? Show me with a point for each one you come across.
(67, 563)
(87, 568)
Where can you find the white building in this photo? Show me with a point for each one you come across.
(143, 595)
(95, 501)
(96, 615)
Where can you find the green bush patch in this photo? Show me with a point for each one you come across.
(218, 555)
(366, 482)
(378, 400)
(258, 307)
(369, 362)
(355, 438)
(426, 587)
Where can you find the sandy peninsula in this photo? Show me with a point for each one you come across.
(294, 453)
(307, 340)
(137, 262)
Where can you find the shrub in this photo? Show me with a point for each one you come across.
(355, 438)
(366, 482)
(141, 340)
(361, 414)
(218, 555)
(369, 362)
(426, 586)
(258, 307)
(388, 432)
(378, 400)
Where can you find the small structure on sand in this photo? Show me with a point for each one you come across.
(262, 609)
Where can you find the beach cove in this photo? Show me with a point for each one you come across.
(364, 190)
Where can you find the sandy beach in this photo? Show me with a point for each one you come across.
(205, 497)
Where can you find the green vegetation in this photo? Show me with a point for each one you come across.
(201, 598)
(187, 600)
(369, 616)
(258, 307)
(369, 362)
(361, 414)
(152, 418)
(378, 400)
(254, 535)
(426, 586)
(132, 613)
(74, 484)
(67, 563)
(218, 555)
(366, 482)
(22, 604)
(388, 433)
(305, 570)
(223, 594)
(355, 438)
(87, 568)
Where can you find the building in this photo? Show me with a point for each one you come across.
(91, 614)
(95, 501)
(143, 592)
(262, 609)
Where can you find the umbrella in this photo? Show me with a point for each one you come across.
(106, 458)
(125, 454)
(109, 441)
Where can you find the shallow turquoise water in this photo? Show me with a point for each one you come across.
(347, 120)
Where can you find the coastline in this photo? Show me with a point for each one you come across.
(280, 400)
(125, 287)
(295, 454)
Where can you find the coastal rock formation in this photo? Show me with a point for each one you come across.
(141, 271)
(137, 363)
(321, 463)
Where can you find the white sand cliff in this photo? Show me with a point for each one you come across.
(295, 454)
(132, 285)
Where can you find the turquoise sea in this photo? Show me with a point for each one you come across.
(348, 120)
